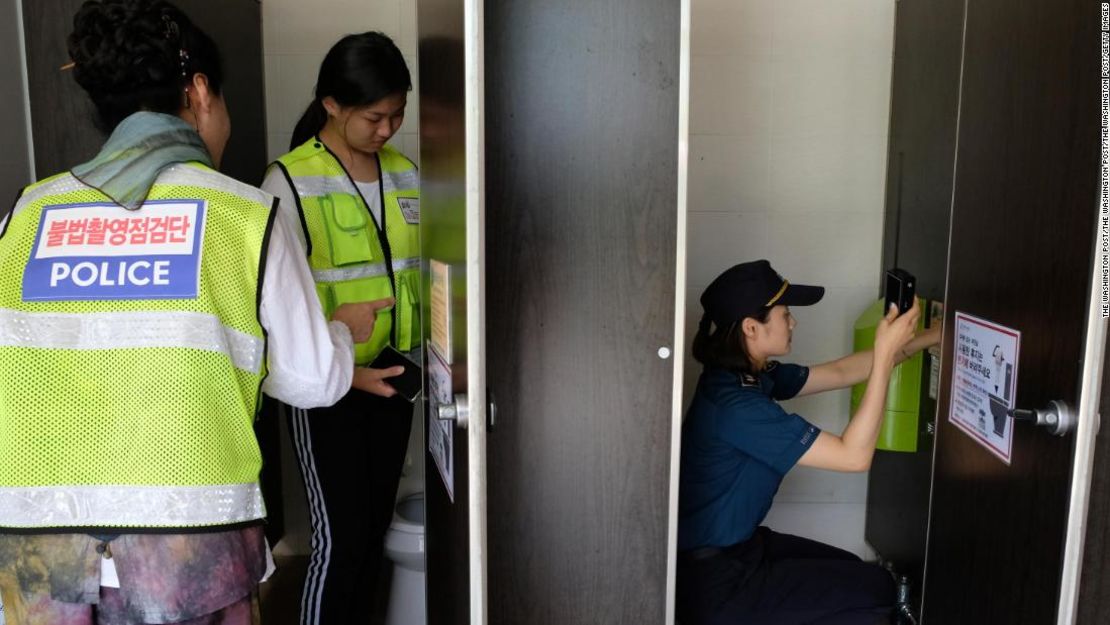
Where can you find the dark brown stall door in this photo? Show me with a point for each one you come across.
(582, 155)
(581, 110)
(1023, 218)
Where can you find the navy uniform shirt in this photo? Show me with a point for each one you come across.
(737, 444)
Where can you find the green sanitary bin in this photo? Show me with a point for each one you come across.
(903, 396)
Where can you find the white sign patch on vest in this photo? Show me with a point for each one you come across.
(410, 208)
(106, 252)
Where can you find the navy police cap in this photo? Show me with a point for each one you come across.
(745, 289)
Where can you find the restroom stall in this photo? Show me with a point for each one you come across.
(1005, 539)
(550, 156)
(994, 138)
(789, 113)
(989, 195)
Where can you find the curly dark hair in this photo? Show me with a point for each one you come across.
(138, 55)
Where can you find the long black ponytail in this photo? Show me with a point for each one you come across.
(358, 70)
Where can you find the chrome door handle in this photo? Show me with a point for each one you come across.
(1057, 417)
(491, 413)
(459, 412)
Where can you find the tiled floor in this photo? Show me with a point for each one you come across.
(280, 596)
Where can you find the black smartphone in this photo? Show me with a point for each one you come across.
(409, 383)
(900, 290)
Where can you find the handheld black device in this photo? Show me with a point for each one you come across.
(900, 290)
(409, 383)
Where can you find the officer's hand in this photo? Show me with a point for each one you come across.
(893, 333)
(931, 336)
(359, 317)
(373, 380)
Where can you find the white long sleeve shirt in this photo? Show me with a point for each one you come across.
(311, 361)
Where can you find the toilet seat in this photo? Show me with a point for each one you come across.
(408, 515)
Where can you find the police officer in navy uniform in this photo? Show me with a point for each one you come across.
(738, 443)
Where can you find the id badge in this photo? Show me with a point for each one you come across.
(410, 208)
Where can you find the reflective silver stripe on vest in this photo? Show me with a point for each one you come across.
(342, 274)
(65, 184)
(118, 330)
(316, 186)
(401, 181)
(184, 175)
(130, 506)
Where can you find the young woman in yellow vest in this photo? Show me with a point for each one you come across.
(146, 301)
(357, 200)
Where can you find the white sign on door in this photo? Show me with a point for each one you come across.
(441, 434)
(984, 382)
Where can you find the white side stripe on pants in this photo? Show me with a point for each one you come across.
(321, 530)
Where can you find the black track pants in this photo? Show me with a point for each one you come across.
(351, 455)
(778, 579)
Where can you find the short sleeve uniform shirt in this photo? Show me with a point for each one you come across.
(737, 444)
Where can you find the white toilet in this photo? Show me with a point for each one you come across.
(404, 546)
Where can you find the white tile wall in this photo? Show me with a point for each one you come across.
(822, 521)
(296, 36)
(789, 107)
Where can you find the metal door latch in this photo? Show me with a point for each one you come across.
(459, 411)
(491, 411)
(1057, 418)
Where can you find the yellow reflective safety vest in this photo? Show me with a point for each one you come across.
(131, 355)
(354, 259)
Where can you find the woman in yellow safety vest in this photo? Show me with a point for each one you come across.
(146, 300)
(357, 200)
